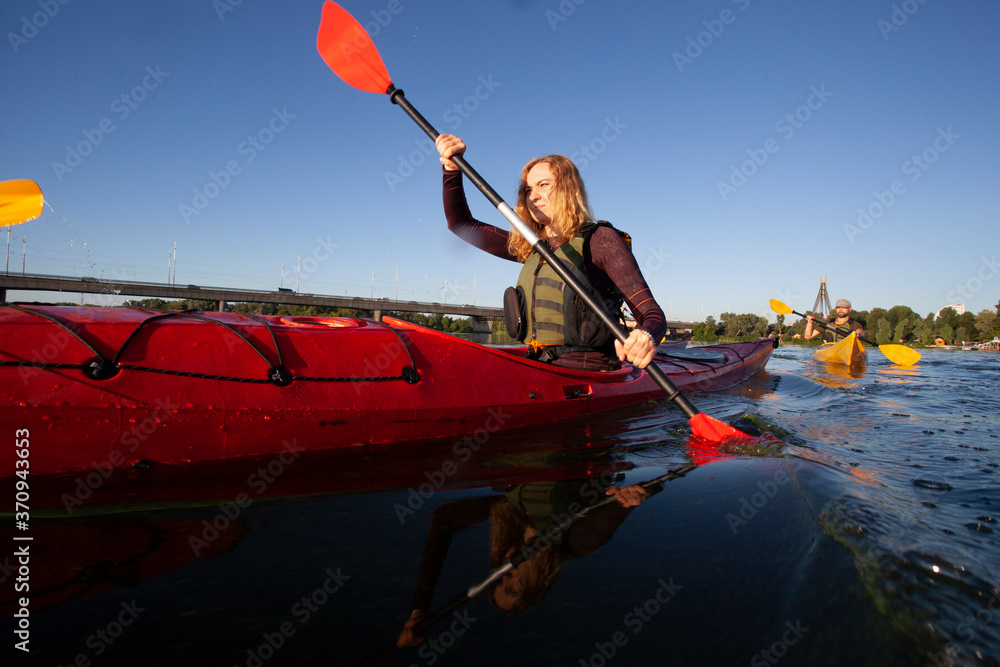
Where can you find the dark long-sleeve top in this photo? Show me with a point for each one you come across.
(583, 536)
(610, 265)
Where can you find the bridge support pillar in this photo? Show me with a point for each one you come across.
(377, 314)
(482, 330)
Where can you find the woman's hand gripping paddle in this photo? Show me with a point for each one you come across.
(20, 201)
(897, 354)
(350, 53)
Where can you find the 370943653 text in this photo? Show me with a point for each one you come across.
(22, 551)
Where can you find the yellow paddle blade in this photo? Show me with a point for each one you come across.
(780, 308)
(20, 201)
(900, 354)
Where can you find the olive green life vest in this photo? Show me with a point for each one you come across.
(554, 314)
(830, 336)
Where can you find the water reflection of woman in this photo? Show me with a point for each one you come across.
(552, 511)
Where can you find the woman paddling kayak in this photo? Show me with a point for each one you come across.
(558, 513)
(540, 310)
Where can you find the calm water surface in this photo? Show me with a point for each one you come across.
(868, 537)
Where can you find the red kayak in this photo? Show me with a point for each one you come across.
(104, 388)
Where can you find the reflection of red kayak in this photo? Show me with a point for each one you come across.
(71, 560)
(106, 387)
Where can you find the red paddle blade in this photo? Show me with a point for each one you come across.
(346, 47)
(712, 430)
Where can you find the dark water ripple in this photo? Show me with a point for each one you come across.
(910, 486)
(870, 537)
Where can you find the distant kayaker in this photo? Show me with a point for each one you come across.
(841, 320)
(542, 311)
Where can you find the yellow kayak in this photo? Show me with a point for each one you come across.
(849, 352)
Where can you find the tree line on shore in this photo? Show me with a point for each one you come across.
(893, 325)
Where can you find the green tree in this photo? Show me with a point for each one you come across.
(744, 325)
(903, 330)
(862, 316)
(798, 328)
(883, 331)
(923, 333)
(967, 321)
(876, 315)
(152, 304)
(947, 333)
(897, 314)
(947, 316)
(761, 327)
(986, 324)
(962, 334)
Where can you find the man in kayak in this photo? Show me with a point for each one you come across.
(841, 320)
(544, 311)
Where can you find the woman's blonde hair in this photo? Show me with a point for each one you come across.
(569, 206)
(538, 573)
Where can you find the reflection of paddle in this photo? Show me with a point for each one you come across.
(526, 553)
(350, 53)
(897, 354)
(20, 201)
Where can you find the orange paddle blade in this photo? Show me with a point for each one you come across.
(346, 47)
(20, 201)
(712, 430)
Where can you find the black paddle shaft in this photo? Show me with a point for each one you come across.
(673, 393)
(842, 332)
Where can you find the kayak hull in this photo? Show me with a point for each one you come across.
(104, 388)
(849, 352)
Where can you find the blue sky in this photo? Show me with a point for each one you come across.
(749, 148)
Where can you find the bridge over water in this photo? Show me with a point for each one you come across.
(482, 316)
